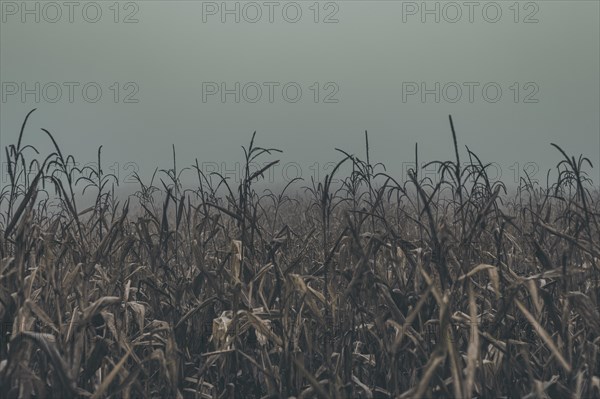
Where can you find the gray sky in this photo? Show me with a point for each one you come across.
(367, 71)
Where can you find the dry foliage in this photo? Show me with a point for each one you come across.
(362, 287)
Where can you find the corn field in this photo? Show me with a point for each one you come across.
(357, 286)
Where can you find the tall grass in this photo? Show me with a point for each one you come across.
(364, 286)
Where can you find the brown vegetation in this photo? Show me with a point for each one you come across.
(370, 288)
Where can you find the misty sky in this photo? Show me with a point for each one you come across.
(367, 71)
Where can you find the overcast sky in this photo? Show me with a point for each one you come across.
(309, 77)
